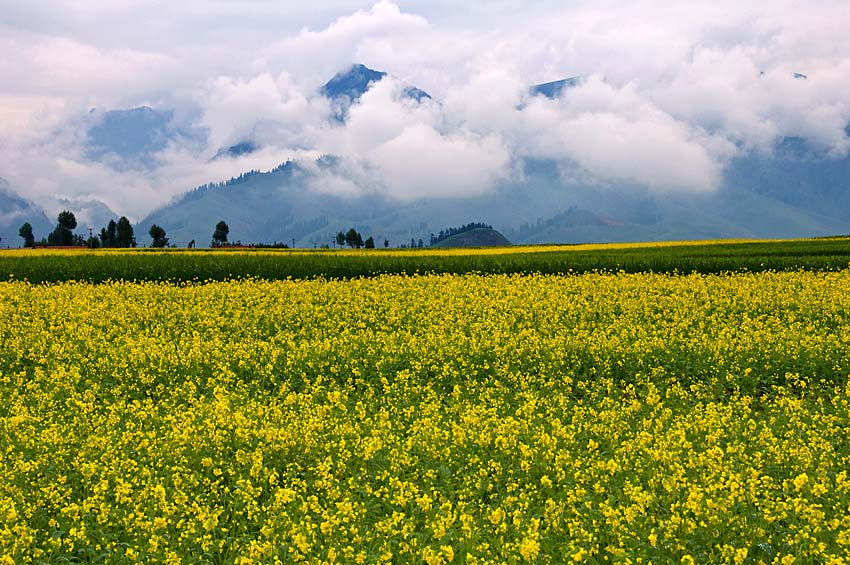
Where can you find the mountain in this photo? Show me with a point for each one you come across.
(279, 205)
(346, 88)
(795, 175)
(14, 212)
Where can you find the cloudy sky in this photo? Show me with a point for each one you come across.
(669, 93)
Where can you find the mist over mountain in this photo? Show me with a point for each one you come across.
(655, 119)
(793, 191)
(14, 212)
(91, 214)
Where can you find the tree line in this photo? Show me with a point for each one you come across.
(120, 233)
(353, 239)
(115, 234)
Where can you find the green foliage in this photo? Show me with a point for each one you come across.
(353, 239)
(26, 233)
(63, 234)
(124, 236)
(109, 235)
(220, 234)
(370, 243)
(158, 236)
(67, 220)
(447, 233)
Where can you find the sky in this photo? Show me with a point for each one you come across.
(669, 92)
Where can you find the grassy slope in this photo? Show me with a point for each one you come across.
(480, 237)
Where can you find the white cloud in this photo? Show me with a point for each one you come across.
(57, 66)
(756, 104)
(262, 109)
(616, 134)
(318, 54)
(457, 164)
(395, 145)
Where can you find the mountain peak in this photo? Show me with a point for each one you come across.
(555, 88)
(346, 87)
(352, 83)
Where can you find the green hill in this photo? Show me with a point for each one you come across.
(479, 237)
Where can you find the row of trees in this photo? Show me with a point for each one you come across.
(63, 234)
(413, 244)
(121, 234)
(118, 234)
(353, 239)
(115, 234)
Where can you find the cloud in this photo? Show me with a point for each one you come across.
(318, 54)
(57, 66)
(617, 134)
(397, 146)
(262, 109)
(453, 165)
(755, 104)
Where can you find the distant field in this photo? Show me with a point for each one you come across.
(704, 257)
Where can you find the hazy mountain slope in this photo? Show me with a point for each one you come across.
(789, 193)
(280, 206)
(14, 212)
(729, 212)
(793, 174)
(237, 150)
(262, 207)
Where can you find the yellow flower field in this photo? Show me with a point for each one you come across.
(599, 418)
